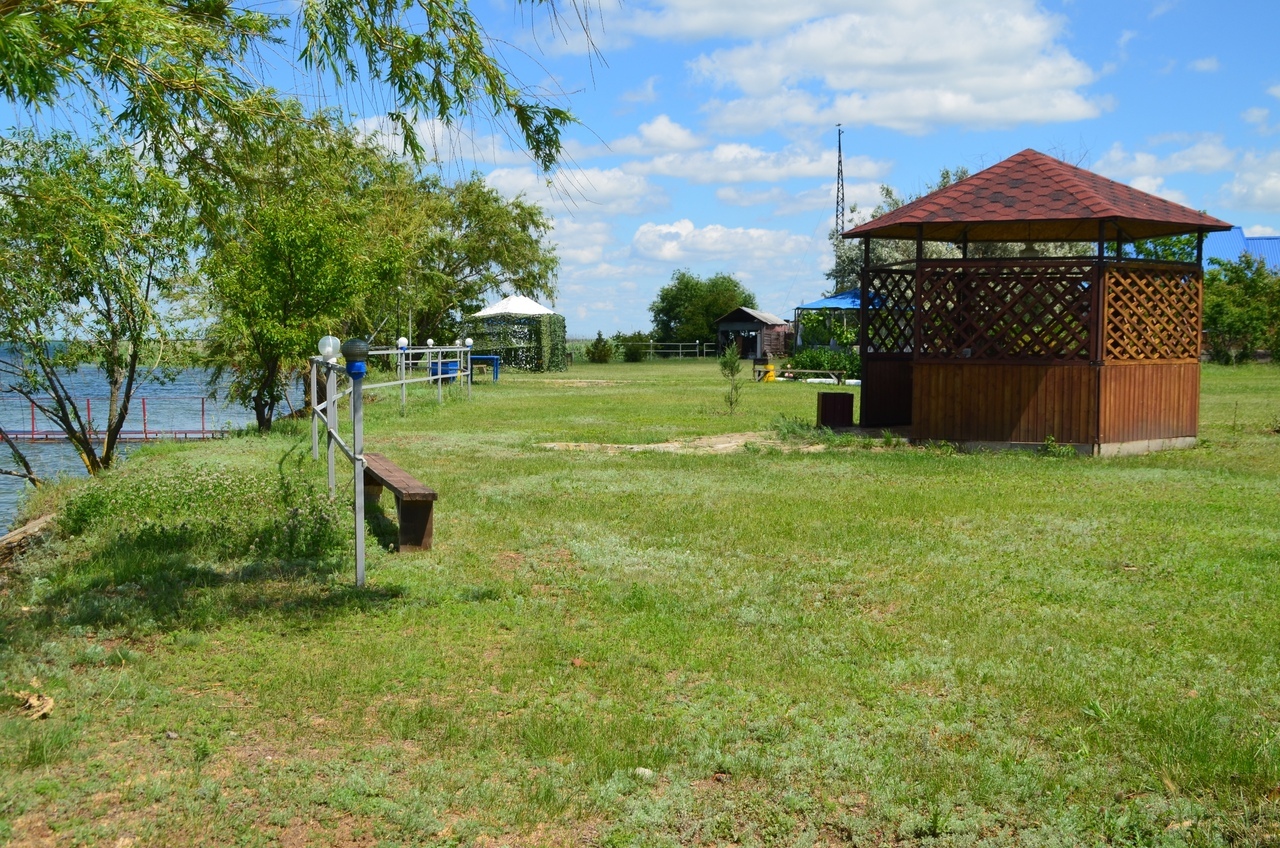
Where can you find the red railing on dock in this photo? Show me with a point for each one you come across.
(177, 416)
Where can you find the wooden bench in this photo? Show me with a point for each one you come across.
(780, 372)
(415, 502)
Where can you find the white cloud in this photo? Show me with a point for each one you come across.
(791, 202)
(660, 134)
(735, 163)
(1205, 156)
(1260, 119)
(1155, 185)
(909, 66)
(646, 93)
(1274, 91)
(681, 241)
(1261, 230)
(694, 19)
(581, 191)
(1206, 65)
(582, 242)
(1257, 183)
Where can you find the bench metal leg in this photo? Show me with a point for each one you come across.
(417, 523)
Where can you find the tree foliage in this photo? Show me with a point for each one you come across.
(167, 68)
(687, 308)
(439, 250)
(1241, 309)
(95, 250)
(287, 260)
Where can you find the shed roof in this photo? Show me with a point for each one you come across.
(1034, 197)
(745, 315)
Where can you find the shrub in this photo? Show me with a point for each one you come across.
(600, 351)
(826, 359)
(731, 370)
(635, 346)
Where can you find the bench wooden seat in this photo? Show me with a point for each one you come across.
(778, 371)
(415, 503)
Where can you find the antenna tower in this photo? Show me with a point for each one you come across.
(839, 180)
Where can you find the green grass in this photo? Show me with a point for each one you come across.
(860, 644)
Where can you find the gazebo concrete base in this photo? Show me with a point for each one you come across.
(1106, 450)
(1145, 446)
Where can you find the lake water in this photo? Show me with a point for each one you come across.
(177, 405)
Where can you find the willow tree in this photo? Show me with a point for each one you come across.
(164, 69)
(95, 256)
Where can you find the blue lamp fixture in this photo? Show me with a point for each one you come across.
(355, 352)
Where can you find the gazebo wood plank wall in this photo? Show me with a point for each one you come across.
(1004, 402)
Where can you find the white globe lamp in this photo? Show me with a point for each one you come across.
(329, 347)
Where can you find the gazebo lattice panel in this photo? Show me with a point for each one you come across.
(1005, 310)
(890, 310)
(1152, 312)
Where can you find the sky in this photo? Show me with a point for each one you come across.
(707, 128)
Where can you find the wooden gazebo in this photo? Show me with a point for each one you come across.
(1095, 350)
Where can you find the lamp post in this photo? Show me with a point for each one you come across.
(356, 353)
(329, 348)
(468, 342)
(403, 345)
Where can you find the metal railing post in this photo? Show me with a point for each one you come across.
(357, 464)
(315, 426)
(331, 423)
(404, 388)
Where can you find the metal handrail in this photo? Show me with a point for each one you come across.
(328, 412)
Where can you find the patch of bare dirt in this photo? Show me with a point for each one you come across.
(582, 383)
(724, 443)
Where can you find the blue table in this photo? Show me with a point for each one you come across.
(492, 360)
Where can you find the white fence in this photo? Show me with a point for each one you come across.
(441, 364)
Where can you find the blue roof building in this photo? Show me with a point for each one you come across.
(1229, 245)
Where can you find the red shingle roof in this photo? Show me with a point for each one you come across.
(1034, 197)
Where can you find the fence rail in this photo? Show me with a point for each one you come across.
(654, 350)
(166, 417)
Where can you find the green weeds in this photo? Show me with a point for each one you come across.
(870, 645)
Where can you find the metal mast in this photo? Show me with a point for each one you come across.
(839, 181)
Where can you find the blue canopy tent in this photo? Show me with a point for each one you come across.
(845, 305)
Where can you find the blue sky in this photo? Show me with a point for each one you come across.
(707, 137)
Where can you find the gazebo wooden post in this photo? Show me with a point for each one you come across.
(916, 296)
(863, 289)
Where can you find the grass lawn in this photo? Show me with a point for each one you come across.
(858, 644)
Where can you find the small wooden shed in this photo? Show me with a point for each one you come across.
(1095, 350)
(757, 334)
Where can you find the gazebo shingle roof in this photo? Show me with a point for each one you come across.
(1034, 197)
